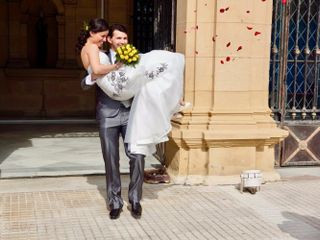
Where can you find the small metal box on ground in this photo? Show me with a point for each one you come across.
(251, 179)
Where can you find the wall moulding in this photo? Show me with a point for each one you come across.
(206, 139)
(70, 2)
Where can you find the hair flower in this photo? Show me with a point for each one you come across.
(85, 26)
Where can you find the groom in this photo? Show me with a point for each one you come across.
(113, 117)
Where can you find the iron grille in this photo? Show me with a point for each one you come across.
(154, 24)
(295, 59)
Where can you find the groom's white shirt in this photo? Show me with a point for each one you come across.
(89, 80)
(112, 56)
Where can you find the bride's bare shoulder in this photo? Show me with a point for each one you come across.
(85, 52)
(91, 48)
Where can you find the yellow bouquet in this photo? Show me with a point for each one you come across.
(128, 55)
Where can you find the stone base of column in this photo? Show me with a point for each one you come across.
(270, 176)
(18, 63)
(217, 156)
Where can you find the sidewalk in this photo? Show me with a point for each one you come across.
(31, 150)
(75, 208)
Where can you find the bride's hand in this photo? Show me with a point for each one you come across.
(118, 65)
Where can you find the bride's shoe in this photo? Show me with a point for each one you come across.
(184, 106)
(177, 116)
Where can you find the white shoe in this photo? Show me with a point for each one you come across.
(177, 116)
(185, 106)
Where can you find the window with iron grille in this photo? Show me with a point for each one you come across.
(295, 59)
(154, 24)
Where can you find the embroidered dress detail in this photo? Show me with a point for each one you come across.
(118, 83)
(155, 73)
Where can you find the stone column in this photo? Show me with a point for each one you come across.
(4, 33)
(17, 36)
(61, 41)
(229, 128)
(70, 34)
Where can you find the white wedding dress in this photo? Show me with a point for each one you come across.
(156, 84)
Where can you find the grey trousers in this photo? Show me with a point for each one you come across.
(109, 138)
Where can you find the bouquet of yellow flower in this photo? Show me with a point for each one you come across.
(128, 55)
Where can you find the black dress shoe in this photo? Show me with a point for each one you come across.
(136, 210)
(115, 213)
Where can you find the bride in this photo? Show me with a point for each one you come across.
(156, 84)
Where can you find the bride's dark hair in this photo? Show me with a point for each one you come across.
(94, 25)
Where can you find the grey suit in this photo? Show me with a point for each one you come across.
(113, 117)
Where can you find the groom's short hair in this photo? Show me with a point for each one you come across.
(118, 27)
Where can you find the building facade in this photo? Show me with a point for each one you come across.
(227, 48)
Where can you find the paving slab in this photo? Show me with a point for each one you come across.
(75, 208)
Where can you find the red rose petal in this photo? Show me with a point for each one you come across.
(222, 62)
(228, 44)
(226, 9)
(213, 39)
(239, 48)
(248, 11)
(221, 10)
(249, 28)
(257, 33)
(228, 59)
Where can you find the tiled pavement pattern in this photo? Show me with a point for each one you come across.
(74, 208)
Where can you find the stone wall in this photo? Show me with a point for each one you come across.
(50, 93)
(53, 92)
(229, 128)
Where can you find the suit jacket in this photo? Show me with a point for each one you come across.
(107, 108)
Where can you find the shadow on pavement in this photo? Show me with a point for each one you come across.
(301, 227)
(150, 191)
(13, 137)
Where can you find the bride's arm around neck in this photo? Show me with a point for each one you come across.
(90, 57)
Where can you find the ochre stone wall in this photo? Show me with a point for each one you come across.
(21, 94)
(229, 128)
(54, 92)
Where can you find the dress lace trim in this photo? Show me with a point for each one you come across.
(119, 79)
(118, 82)
(155, 73)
